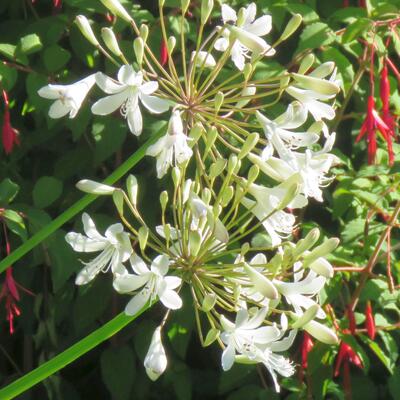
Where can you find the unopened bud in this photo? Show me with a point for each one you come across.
(217, 167)
(317, 84)
(308, 316)
(86, 29)
(249, 144)
(253, 174)
(210, 139)
(248, 92)
(253, 42)
(291, 193)
(232, 163)
(206, 9)
(322, 267)
(144, 32)
(171, 43)
(164, 200)
(195, 133)
(291, 27)
(227, 196)
(118, 198)
(218, 101)
(247, 71)
(194, 243)
(132, 189)
(306, 63)
(321, 332)
(92, 187)
(116, 8)
(261, 283)
(176, 176)
(209, 301)
(143, 235)
(321, 251)
(212, 336)
(138, 47)
(111, 41)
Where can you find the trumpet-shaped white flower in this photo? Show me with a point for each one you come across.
(68, 98)
(155, 361)
(153, 281)
(245, 335)
(126, 93)
(292, 118)
(172, 148)
(115, 247)
(247, 32)
(312, 89)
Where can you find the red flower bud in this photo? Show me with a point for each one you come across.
(9, 134)
(347, 354)
(163, 53)
(352, 320)
(370, 321)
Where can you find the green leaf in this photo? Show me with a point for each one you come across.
(308, 14)
(46, 191)
(314, 36)
(356, 29)
(15, 223)
(374, 346)
(118, 370)
(30, 44)
(55, 57)
(8, 76)
(8, 191)
(394, 383)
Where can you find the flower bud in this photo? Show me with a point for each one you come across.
(138, 47)
(322, 267)
(116, 8)
(308, 316)
(370, 321)
(132, 189)
(217, 167)
(144, 32)
(210, 139)
(194, 243)
(291, 193)
(320, 251)
(232, 163)
(118, 198)
(253, 42)
(171, 43)
(209, 301)
(206, 9)
(306, 63)
(196, 132)
(92, 187)
(247, 71)
(143, 235)
(206, 195)
(253, 174)
(291, 27)
(227, 196)
(176, 176)
(86, 29)
(218, 101)
(317, 84)
(212, 336)
(249, 144)
(155, 361)
(164, 200)
(261, 283)
(321, 332)
(248, 91)
(111, 41)
(306, 243)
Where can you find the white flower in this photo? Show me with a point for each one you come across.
(292, 118)
(125, 94)
(204, 58)
(115, 247)
(155, 283)
(247, 32)
(69, 98)
(245, 335)
(312, 88)
(155, 361)
(172, 148)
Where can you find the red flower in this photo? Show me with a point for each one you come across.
(370, 321)
(306, 346)
(9, 134)
(347, 355)
(163, 53)
(387, 116)
(371, 124)
(57, 4)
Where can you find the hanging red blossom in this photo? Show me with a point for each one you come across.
(9, 134)
(370, 321)
(347, 355)
(163, 53)
(387, 116)
(371, 124)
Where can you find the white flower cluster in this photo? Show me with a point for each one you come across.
(218, 126)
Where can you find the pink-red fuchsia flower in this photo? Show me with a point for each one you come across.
(163, 53)
(306, 345)
(347, 355)
(387, 116)
(371, 124)
(9, 134)
(370, 321)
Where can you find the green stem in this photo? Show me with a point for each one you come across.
(76, 208)
(68, 356)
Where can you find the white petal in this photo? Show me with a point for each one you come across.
(137, 303)
(228, 357)
(155, 149)
(58, 109)
(250, 14)
(108, 85)
(238, 57)
(261, 26)
(109, 104)
(149, 87)
(154, 104)
(51, 92)
(127, 75)
(171, 299)
(221, 44)
(160, 264)
(84, 244)
(128, 282)
(90, 228)
(228, 13)
(135, 121)
(172, 282)
(138, 265)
